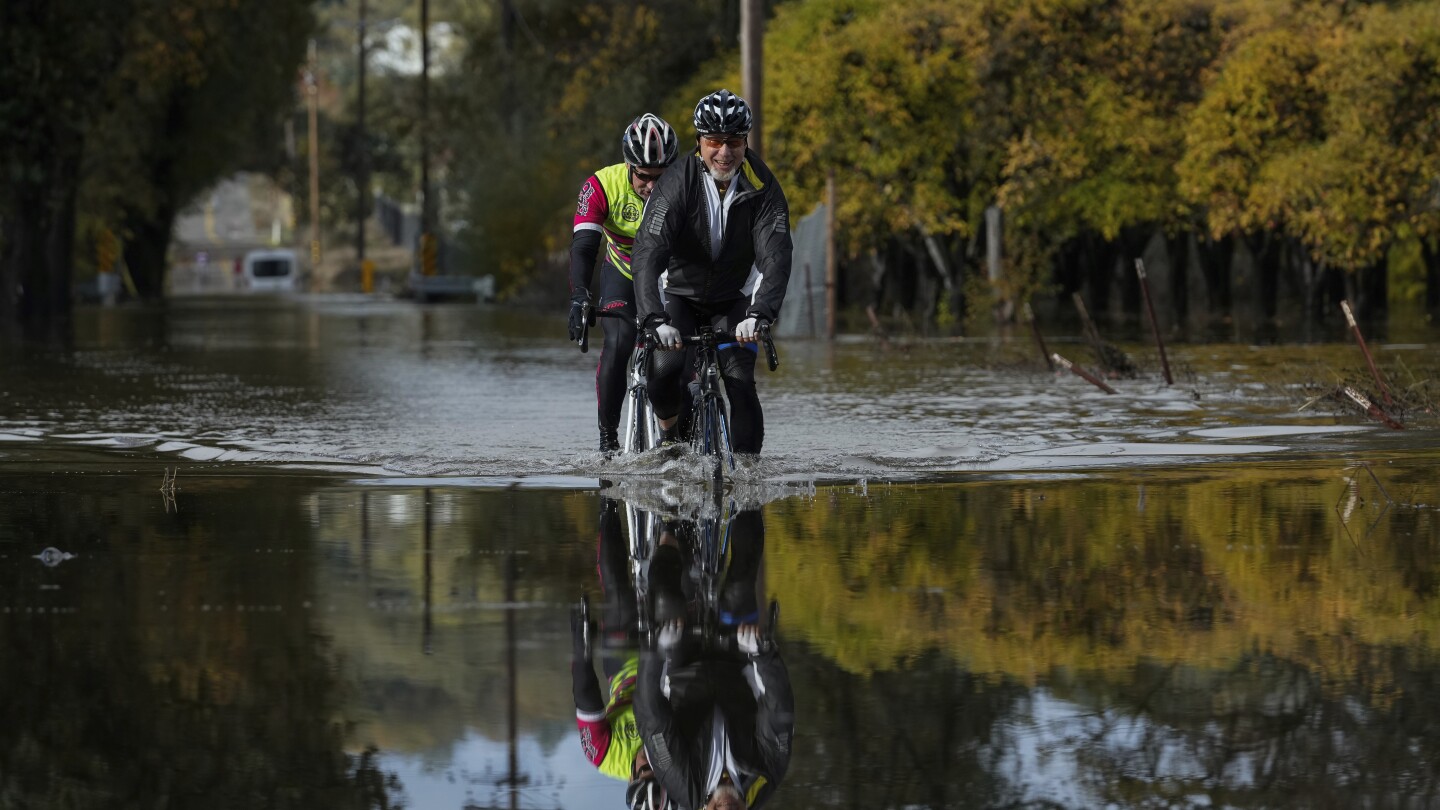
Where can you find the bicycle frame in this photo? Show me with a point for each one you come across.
(641, 430)
(709, 543)
(710, 425)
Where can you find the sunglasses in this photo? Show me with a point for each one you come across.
(643, 177)
(717, 141)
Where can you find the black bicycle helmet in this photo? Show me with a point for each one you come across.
(722, 112)
(649, 142)
(645, 794)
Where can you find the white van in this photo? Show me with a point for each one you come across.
(269, 270)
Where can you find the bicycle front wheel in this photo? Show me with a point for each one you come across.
(712, 434)
(640, 434)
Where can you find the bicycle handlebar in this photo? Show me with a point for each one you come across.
(588, 314)
(715, 335)
(727, 640)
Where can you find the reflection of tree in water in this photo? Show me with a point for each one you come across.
(1267, 734)
(116, 697)
(922, 735)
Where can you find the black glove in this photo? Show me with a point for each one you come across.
(578, 301)
(581, 632)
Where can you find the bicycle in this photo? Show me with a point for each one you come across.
(641, 430)
(713, 632)
(710, 631)
(710, 412)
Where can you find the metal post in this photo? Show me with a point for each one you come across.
(830, 291)
(1083, 374)
(1370, 361)
(809, 302)
(1154, 324)
(1039, 338)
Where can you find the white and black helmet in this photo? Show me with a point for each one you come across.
(645, 794)
(649, 142)
(722, 112)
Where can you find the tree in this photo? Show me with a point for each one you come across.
(58, 54)
(119, 112)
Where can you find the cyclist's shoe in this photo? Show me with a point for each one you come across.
(670, 437)
(669, 605)
(609, 443)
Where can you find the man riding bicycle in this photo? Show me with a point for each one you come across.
(608, 734)
(717, 728)
(712, 219)
(611, 202)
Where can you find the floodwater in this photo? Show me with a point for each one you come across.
(321, 553)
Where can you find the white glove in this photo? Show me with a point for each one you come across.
(670, 635)
(668, 336)
(745, 332)
(748, 637)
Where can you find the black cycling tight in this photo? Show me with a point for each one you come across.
(737, 365)
(616, 293)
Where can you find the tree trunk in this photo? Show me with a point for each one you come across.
(1216, 258)
(1311, 275)
(1372, 295)
(1430, 254)
(1177, 253)
(145, 253)
(59, 264)
(37, 255)
(1100, 270)
(18, 253)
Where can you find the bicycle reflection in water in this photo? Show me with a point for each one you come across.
(701, 711)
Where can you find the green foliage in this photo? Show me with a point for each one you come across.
(541, 102)
(1375, 170)
(191, 103)
(1311, 121)
(123, 111)
(883, 95)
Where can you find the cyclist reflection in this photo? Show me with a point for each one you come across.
(608, 732)
(716, 724)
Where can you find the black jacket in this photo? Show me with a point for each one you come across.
(677, 731)
(675, 235)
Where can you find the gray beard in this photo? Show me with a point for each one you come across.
(725, 177)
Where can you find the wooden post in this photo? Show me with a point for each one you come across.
(1154, 324)
(312, 92)
(362, 178)
(427, 202)
(752, 66)
(830, 291)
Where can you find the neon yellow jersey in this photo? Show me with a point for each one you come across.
(608, 203)
(611, 739)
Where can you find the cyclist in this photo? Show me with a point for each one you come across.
(717, 731)
(608, 732)
(719, 223)
(610, 204)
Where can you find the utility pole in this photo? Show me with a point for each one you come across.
(752, 46)
(427, 204)
(313, 92)
(362, 179)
